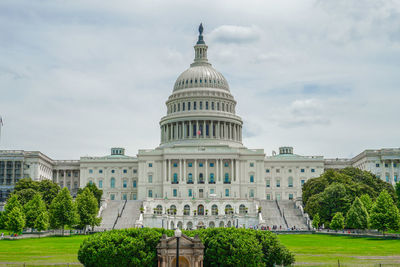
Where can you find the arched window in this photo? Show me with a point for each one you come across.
(214, 210)
(200, 210)
(190, 178)
(226, 180)
(90, 182)
(290, 182)
(228, 209)
(112, 182)
(242, 209)
(134, 183)
(212, 181)
(125, 184)
(186, 210)
(175, 178)
(101, 184)
(172, 210)
(158, 210)
(251, 178)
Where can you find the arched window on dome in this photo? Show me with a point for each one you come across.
(195, 81)
(223, 106)
(183, 106)
(212, 105)
(201, 104)
(188, 106)
(200, 80)
(206, 104)
(217, 105)
(174, 107)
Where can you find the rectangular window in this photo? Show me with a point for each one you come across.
(387, 178)
(217, 105)
(134, 196)
(227, 192)
(190, 193)
(100, 184)
(212, 191)
(100, 171)
(212, 105)
(278, 183)
(175, 165)
(200, 164)
(134, 171)
(395, 178)
(189, 164)
(251, 178)
(267, 170)
(377, 165)
(183, 106)
(90, 171)
(188, 105)
(125, 171)
(150, 193)
(226, 164)
(206, 104)
(134, 183)
(312, 170)
(268, 197)
(194, 105)
(302, 170)
(290, 170)
(112, 196)
(395, 165)
(201, 104)
(386, 165)
(112, 171)
(251, 193)
(251, 164)
(150, 178)
(150, 165)
(302, 182)
(125, 184)
(175, 192)
(124, 197)
(290, 196)
(278, 170)
(268, 183)
(211, 164)
(179, 107)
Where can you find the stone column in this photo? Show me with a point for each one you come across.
(232, 171)
(222, 169)
(392, 171)
(204, 133)
(57, 177)
(217, 170)
(237, 169)
(180, 170)
(176, 131)
(184, 170)
(383, 176)
(165, 169)
(183, 130)
(72, 180)
(65, 179)
(197, 129)
(169, 170)
(206, 178)
(195, 170)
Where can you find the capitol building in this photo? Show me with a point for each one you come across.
(201, 174)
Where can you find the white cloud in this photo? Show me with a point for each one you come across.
(235, 34)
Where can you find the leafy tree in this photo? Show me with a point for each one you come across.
(357, 216)
(2, 220)
(15, 220)
(49, 190)
(316, 221)
(384, 214)
(87, 209)
(11, 203)
(42, 222)
(25, 195)
(397, 189)
(337, 222)
(63, 211)
(98, 193)
(33, 209)
(26, 183)
(367, 202)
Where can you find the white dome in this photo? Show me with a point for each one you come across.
(203, 75)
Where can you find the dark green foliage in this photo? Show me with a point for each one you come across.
(367, 202)
(87, 209)
(96, 192)
(337, 222)
(26, 183)
(335, 191)
(223, 247)
(25, 189)
(25, 195)
(384, 214)
(48, 190)
(15, 220)
(63, 210)
(315, 222)
(357, 216)
(397, 189)
(33, 209)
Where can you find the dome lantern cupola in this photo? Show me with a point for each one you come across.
(200, 50)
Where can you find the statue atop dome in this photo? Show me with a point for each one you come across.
(201, 41)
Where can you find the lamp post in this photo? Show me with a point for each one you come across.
(178, 234)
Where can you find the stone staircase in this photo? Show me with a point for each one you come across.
(129, 215)
(272, 215)
(110, 214)
(292, 215)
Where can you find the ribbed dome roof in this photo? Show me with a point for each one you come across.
(201, 76)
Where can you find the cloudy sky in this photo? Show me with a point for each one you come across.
(78, 77)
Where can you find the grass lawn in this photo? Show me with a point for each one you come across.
(326, 250)
(41, 251)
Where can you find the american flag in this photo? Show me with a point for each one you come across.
(199, 132)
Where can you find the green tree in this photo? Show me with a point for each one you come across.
(98, 193)
(15, 220)
(357, 216)
(367, 202)
(26, 183)
(42, 222)
(87, 209)
(25, 195)
(337, 222)
(12, 203)
(62, 211)
(384, 213)
(33, 209)
(49, 190)
(397, 189)
(316, 221)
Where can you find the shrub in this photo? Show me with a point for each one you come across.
(223, 247)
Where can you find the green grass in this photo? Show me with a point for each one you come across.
(310, 250)
(40, 251)
(326, 250)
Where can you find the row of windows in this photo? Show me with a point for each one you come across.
(278, 196)
(206, 105)
(112, 183)
(190, 164)
(386, 165)
(278, 182)
(112, 171)
(124, 196)
(290, 170)
(200, 210)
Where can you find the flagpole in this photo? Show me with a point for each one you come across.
(1, 126)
